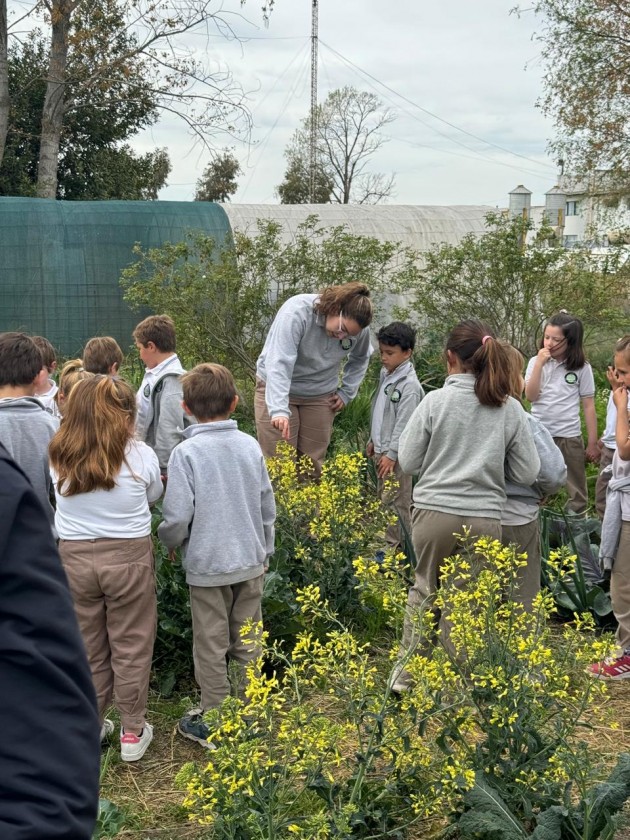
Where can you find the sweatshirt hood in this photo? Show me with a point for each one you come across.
(213, 426)
(26, 405)
(461, 380)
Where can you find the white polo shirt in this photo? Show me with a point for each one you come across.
(561, 389)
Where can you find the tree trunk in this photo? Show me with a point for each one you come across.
(4, 78)
(54, 101)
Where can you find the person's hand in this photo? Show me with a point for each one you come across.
(611, 376)
(543, 356)
(282, 425)
(336, 403)
(592, 453)
(620, 397)
(385, 466)
(369, 450)
(172, 555)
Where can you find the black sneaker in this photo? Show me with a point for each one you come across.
(192, 726)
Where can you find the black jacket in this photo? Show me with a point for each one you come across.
(49, 727)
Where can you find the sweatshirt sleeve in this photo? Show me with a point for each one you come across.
(553, 470)
(171, 420)
(410, 399)
(179, 503)
(153, 476)
(355, 366)
(522, 462)
(414, 440)
(281, 351)
(268, 509)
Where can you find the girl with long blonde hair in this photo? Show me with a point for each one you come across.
(104, 481)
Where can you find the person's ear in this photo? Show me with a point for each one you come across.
(115, 367)
(187, 410)
(234, 403)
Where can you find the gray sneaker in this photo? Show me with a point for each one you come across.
(192, 726)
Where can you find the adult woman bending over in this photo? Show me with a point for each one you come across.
(298, 391)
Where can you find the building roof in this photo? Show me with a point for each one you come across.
(419, 227)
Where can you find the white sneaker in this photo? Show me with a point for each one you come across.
(133, 747)
(107, 729)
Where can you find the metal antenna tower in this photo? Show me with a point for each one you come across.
(313, 137)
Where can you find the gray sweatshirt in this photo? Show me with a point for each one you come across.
(26, 429)
(219, 505)
(300, 359)
(404, 392)
(552, 475)
(463, 451)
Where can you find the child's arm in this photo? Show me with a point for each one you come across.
(410, 398)
(414, 440)
(179, 504)
(622, 431)
(268, 510)
(590, 419)
(534, 380)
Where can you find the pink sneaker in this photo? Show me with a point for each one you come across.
(614, 668)
(133, 747)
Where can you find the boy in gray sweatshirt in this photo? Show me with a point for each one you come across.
(25, 426)
(219, 506)
(396, 398)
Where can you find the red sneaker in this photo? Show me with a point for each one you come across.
(615, 668)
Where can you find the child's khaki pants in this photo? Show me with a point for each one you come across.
(620, 588)
(575, 458)
(218, 614)
(113, 588)
(398, 499)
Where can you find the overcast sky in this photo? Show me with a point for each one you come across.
(472, 64)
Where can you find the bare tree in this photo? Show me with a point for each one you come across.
(349, 133)
(205, 97)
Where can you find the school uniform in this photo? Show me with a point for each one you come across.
(558, 409)
(396, 398)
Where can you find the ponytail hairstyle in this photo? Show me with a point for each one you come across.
(71, 373)
(351, 299)
(89, 449)
(515, 371)
(573, 331)
(483, 354)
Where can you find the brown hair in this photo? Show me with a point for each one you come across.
(49, 356)
(20, 359)
(573, 331)
(353, 299)
(89, 449)
(101, 353)
(483, 354)
(515, 371)
(209, 390)
(159, 329)
(71, 373)
(622, 345)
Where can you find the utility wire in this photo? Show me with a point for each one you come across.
(430, 113)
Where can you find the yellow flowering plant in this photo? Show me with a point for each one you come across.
(321, 528)
(488, 737)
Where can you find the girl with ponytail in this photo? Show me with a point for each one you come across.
(461, 441)
(297, 391)
(104, 481)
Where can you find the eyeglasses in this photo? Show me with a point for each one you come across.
(342, 331)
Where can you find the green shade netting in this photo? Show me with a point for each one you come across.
(61, 262)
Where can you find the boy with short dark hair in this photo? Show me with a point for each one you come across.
(398, 394)
(161, 419)
(102, 354)
(46, 387)
(219, 506)
(25, 426)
